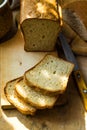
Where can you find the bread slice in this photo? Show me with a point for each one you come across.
(50, 75)
(35, 98)
(12, 97)
(40, 24)
(39, 34)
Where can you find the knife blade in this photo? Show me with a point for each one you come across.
(76, 71)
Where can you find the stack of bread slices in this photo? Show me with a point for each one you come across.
(40, 86)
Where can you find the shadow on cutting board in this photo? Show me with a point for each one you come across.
(67, 117)
(4, 124)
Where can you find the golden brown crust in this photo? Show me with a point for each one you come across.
(36, 106)
(23, 110)
(28, 100)
(42, 90)
(38, 9)
(39, 21)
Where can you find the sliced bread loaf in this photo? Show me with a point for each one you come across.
(74, 14)
(35, 98)
(40, 24)
(12, 97)
(50, 75)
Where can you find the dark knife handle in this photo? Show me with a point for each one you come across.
(82, 87)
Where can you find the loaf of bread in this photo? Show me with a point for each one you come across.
(50, 75)
(33, 97)
(80, 7)
(75, 14)
(15, 100)
(79, 46)
(68, 32)
(40, 24)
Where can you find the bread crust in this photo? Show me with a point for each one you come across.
(15, 100)
(41, 9)
(37, 97)
(40, 23)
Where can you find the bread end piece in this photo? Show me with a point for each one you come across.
(12, 97)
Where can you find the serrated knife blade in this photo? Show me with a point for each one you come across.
(77, 73)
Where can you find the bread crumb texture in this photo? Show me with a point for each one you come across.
(50, 74)
(12, 97)
(34, 97)
(40, 34)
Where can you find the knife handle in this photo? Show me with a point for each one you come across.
(82, 87)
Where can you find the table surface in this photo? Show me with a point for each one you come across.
(14, 61)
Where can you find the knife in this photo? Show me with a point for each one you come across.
(76, 71)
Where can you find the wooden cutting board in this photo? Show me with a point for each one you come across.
(14, 61)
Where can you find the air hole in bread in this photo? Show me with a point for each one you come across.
(51, 61)
(9, 85)
(43, 36)
(54, 72)
(33, 44)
